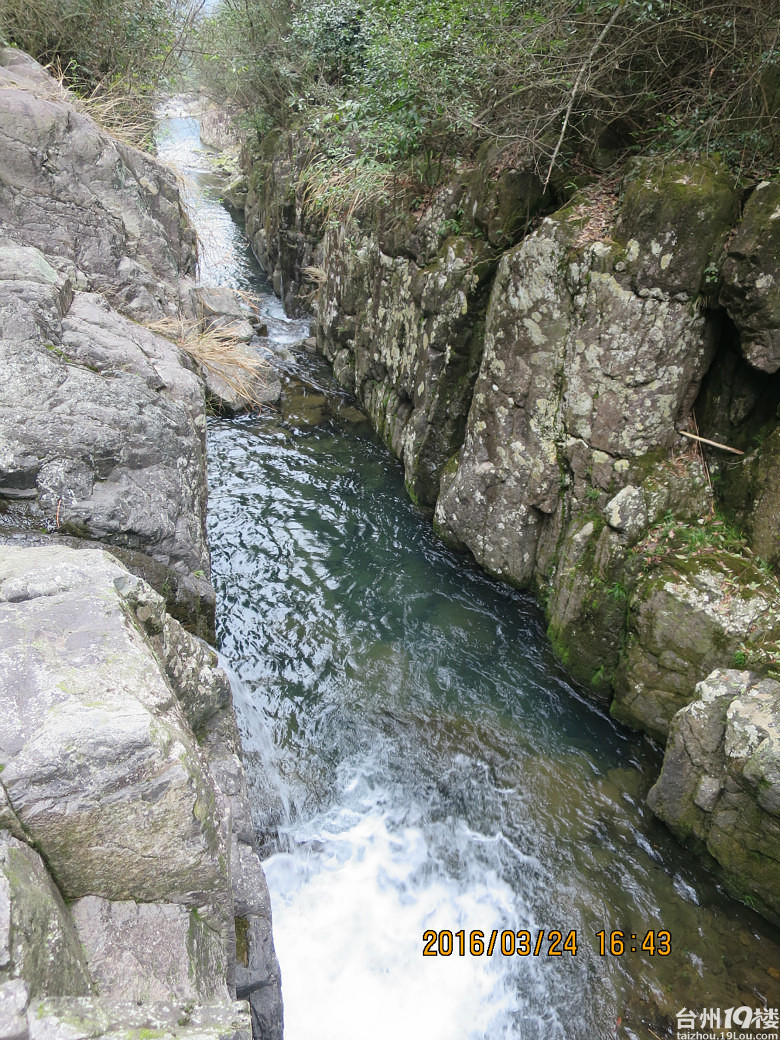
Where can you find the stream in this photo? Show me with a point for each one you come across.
(417, 758)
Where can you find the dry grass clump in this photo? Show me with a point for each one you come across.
(123, 117)
(126, 118)
(219, 353)
(338, 188)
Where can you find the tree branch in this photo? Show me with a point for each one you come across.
(570, 106)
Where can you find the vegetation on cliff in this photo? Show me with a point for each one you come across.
(403, 89)
(116, 55)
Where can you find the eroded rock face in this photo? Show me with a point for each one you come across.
(400, 302)
(120, 761)
(719, 788)
(685, 618)
(102, 423)
(751, 278)
(406, 339)
(102, 212)
(581, 376)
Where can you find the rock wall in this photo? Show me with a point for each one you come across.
(127, 833)
(534, 376)
(400, 303)
(132, 899)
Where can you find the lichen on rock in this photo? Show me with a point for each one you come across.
(719, 788)
(751, 277)
(142, 823)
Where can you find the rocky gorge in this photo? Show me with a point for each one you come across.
(552, 370)
(531, 360)
(132, 899)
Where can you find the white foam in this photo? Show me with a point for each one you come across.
(350, 908)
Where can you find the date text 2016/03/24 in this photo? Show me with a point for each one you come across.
(445, 943)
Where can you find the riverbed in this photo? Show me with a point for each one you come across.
(419, 761)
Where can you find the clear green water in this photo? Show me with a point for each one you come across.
(419, 761)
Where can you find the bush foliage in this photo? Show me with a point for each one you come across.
(413, 85)
(102, 49)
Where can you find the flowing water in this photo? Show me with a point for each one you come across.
(418, 761)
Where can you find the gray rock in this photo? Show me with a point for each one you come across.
(189, 598)
(674, 220)
(9, 821)
(233, 388)
(405, 338)
(100, 764)
(14, 998)
(217, 301)
(148, 952)
(102, 423)
(627, 511)
(148, 829)
(257, 982)
(235, 192)
(719, 788)
(581, 360)
(100, 210)
(98, 1019)
(751, 278)
(202, 688)
(38, 942)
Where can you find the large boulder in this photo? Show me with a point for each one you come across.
(674, 221)
(102, 424)
(719, 788)
(99, 762)
(103, 212)
(121, 763)
(580, 374)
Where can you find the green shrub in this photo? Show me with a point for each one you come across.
(103, 50)
(420, 85)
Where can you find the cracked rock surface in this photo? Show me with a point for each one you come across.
(123, 786)
(720, 783)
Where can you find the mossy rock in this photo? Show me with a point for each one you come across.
(44, 947)
(751, 278)
(587, 603)
(674, 221)
(501, 205)
(690, 614)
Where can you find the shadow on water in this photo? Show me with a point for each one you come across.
(418, 759)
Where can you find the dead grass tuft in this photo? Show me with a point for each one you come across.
(218, 352)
